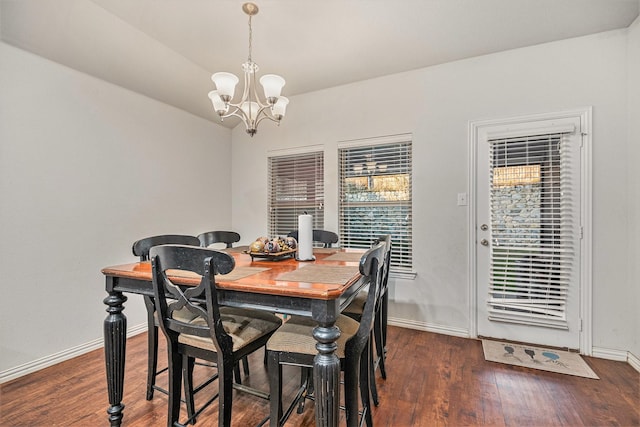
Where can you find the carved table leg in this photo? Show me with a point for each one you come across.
(326, 375)
(115, 329)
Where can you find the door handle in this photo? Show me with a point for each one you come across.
(484, 242)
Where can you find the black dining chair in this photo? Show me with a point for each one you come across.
(293, 344)
(219, 236)
(355, 310)
(196, 326)
(141, 249)
(327, 238)
(228, 238)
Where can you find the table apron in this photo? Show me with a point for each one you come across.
(320, 310)
(125, 284)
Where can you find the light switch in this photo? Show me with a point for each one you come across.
(462, 199)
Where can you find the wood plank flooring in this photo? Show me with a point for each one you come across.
(433, 380)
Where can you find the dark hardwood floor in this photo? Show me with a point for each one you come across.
(434, 380)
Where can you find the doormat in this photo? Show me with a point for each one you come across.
(563, 362)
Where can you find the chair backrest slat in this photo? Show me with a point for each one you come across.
(141, 247)
(219, 236)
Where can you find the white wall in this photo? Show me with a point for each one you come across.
(86, 168)
(633, 171)
(436, 104)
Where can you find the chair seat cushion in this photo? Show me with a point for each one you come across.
(183, 315)
(357, 305)
(242, 324)
(295, 335)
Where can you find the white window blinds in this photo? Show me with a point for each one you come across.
(376, 199)
(296, 186)
(533, 229)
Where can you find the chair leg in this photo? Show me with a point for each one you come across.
(379, 341)
(306, 382)
(175, 377)
(351, 374)
(245, 365)
(275, 387)
(371, 374)
(152, 346)
(310, 386)
(365, 384)
(236, 373)
(226, 369)
(188, 364)
(236, 369)
(384, 320)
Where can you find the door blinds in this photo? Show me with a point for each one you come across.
(296, 186)
(375, 199)
(533, 229)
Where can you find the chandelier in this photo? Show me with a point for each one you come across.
(250, 109)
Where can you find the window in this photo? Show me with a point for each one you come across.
(375, 196)
(532, 229)
(296, 186)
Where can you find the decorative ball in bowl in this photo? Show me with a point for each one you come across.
(291, 242)
(272, 246)
(257, 246)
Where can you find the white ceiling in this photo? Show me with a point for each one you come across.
(167, 49)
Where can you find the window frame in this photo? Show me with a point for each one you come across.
(313, 206)
(402, 246)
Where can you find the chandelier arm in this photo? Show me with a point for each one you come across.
(232, 113)
(245, 90)
(263, 112)
(265, 116)
(240, 114)
(239, 105)
(251, 87)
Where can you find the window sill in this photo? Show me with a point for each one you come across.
(406, 275)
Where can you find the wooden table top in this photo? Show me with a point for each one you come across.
(267, 281)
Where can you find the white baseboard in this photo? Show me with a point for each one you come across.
(45, 362)
(428, 327)
(634, 361)
(618, 355)
(610, 354)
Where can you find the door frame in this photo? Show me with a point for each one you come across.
(586, 188)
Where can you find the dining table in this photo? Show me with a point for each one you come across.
(319, 288)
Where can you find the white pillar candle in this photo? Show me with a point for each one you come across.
(305, 237)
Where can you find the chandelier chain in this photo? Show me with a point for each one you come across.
(250, 39)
